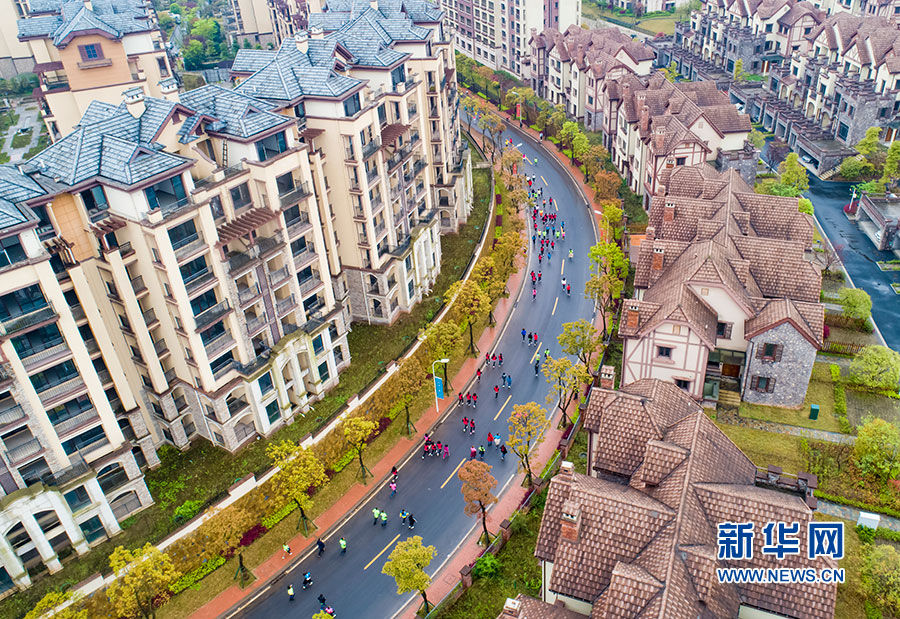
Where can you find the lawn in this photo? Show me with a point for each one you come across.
(520, 572)
(664, 24)
(850, 600)
(765, 448)
(21, 140)
(861, 404)
(42, 143)
(820, 391)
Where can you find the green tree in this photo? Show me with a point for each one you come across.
(805, 205)
(581, 338)
(469, 303)
(566, 380)
(856, 303)
(357, 431)
(193, 55)
(406, 385)
(876, 447)
(528, 426)
(852, 168)
(612, 218)
(891, 172)
(491, 127)
(567, 135)
(793, 174)
(683, 12)
(876, 367)
(299, 471)
(608, 271)
(739, 70)
(142, 575)
(556, 118)
(757, 139)
(871, 143)
(49, 603)
(880, 578)
(477, 490)
(441, 340)
(407, 563)
(671, 72)
(580, 146)
(595, 159)
(486, 74)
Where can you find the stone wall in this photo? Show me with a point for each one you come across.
(745, 161)
(791, 372)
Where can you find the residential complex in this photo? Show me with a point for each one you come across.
(384, 118)
(15, 56)
(496, 33)
(723, 295)
(636, 537)
(92, 51)
(822, 75)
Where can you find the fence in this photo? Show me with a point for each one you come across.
(847, 322)
(842, 348)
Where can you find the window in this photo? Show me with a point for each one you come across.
(683, 384)
(182, 234)
(94, 199)
(763, 384)
(680, 160)
(91, 52)
(92, 529)
(240, 196)
(723, 330)
(770, 352)
(265, 383)
(204, 302)
(323, 371)
(272, 411)
(95, 437)
(398, 76)
(664, 352)
(351, 105)
(318, 347)
(271, 146)
(77, 498)
(11, 251)
(163, 67)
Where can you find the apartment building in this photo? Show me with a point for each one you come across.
(637, 536)
(15, 56)
(724, 297)
(651, 126)
(89, 51)
(251, 21)
(569, 67)
(496, 33)
(376, 94)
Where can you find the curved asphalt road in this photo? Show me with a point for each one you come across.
(353, 583)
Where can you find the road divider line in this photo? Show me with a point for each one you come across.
(508, 398)
(537, 353)
(562, 269)
(554, 306)
(447, 481)
(383, 550)
(545, 180)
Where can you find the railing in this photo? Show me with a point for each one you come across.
(283, 305)
(77, 312)
(137, 284)
(25, 450)
(304, 257)
(298, 225)
(240, 260)
(170, 376)
(372, 174)
(180, 404)
(218, 176)
(53, 391)
(11, 415)
(294, 195)
(278, 276)
(40, 356)
(92, 346)
(268, 244)
(224, 369)
(413, 111)
(23, 321)
(198, 279)
(173, 207)
(309, 284)
(160, 346)
(77, 467)
(104, 376)
(75, 422)
(377, 203)
(186, 249)
(242, 431)
(210, 315)
(371, 147)
(245, 294)
(254, 323)
(236, 405)
(149, 317)
(218, 343)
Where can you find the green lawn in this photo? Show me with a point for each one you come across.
(765, 448)
(850, 600)
(20, 140)
(664, 24)
(820, 391)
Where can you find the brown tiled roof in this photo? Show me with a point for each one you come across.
(657, 559)
(533, 608)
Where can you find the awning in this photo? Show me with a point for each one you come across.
(310, 134)
(390, 133)
(40, 67)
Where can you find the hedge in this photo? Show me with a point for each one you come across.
(274, 518)
(194, 576)
(840, 400)
(887, 511)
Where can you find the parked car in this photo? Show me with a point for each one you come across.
(806, 159)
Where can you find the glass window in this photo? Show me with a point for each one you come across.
(265, 383)
(664, 351)
(77, 498)
(318, 347)
(204, 302)
(92, 529)
(352, 105)
(94, 436)
(323, 371)
(240, 196)
(398, 76)
(11, 251)
(272, 411)
(182, 234)
(221, 362)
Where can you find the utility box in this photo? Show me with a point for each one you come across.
(813, 411)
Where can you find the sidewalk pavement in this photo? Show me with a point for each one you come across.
(347, 503)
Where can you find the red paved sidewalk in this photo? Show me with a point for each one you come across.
(357, 493)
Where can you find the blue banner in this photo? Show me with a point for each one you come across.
(439, 387)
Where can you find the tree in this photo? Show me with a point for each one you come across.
(193, 55)
(469, 303)
(683, 12)
(357, 431)
(793, 174)
(477, 484)
(299, 471)
(528, 424)
(856, 303)
(805, 205)
(488, 278)
(595, 159)
(473, 106)
(852, 168)
(876, 447)
(871, 143)
(612, 217)
(580, 146)
(671, 72)
(606, 185)
(891, 171)
(609, 269)
(406, 385)
(567, 134)
(407, 563)
(581, 338)
(739, 70)
(322, 615)
(510, 160)
(880, 577)
(565, 379)
(491, 127)
(876, 367)
(48, 605)
(440, 341)
(556, 118)
(778, 150)
(141, 576)
(487, 76)
(757, 139)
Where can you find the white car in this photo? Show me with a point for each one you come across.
(806, 159)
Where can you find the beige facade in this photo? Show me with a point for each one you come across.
(15, 56)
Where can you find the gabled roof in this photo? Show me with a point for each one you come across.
(15, 187)
(112, 18)
(235, 113)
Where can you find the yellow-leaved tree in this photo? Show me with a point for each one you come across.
(142, 576)
(528, 424)
(566, 379)
(49, 606)
(357, 430)
(407, 563)
(299, 470)
(477, 486)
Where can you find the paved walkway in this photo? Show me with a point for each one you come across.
(852, 513)
(29, 118)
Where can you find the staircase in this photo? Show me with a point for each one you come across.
(729, 399)
(829, 173)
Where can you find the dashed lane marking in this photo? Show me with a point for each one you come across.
(508, 398)
(453, 473)
(383, 550)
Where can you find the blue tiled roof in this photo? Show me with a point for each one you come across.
(114, 17)
(242, 116)
(15, 187)
(288, 74)
(369, 33)
(416, 10)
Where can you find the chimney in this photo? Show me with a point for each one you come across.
(632, 316)
(645, 119)
(373, 4)
(88, 5)
(511, 609)
(566, 470)
(570, 521)
(301, 40)
(659, 139)
(626, 91)
(316, 33)
(607, 377)
(650, 234)
(659, 258)
(660, 189)
(669, 212)
(134, 101)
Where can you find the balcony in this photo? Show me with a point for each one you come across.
(180, 404)
(413, 112)
(211, 315)
(169, 375)
(150, 317)
(77, 468)
(236, 406)
(370, 148)
(298, 225)
(219, 343)
(52, 393)
(269, 244)
(11, 415)
(309, 284)
(197, 280)
(279, 276)
(21, 322)
(160, 347)
(223, 369)
(255, 323)
(138, 285)
(55, 84)
(76, 422)
(77, 312)
(239, 261)
(372, 175)
(34, 359)
(283, 306)
(218, 176)
(292, 196)
(104, 376)
(188, 247)
(304, 257)
(25, 450)
(247, 294)
(377, 203)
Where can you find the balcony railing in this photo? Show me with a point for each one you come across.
(75, 422)
(37, 358)
(25, 450)
(242, 259)
(104, 376)
(24, 321)
(278, 276)
(77, 312)
(77, 467)
(218, 344)
(309, 284)
(138, 285)
(209, 316)
(11, 415)
(248, 293)
(218, 176)
(298, 225)
(92, 346)
(51, 392)
(371, 147)
(372, 175)
(160, 346)
(223, 369)
(195, 281)
(236, 406)
(149, 317)
(282, 306)
(302, 258)
(180, 404)
(255, 323)
(268, 244)
(187, 249)
(292, 196)
(170, 376)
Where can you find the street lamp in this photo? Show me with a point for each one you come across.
(434, 375)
